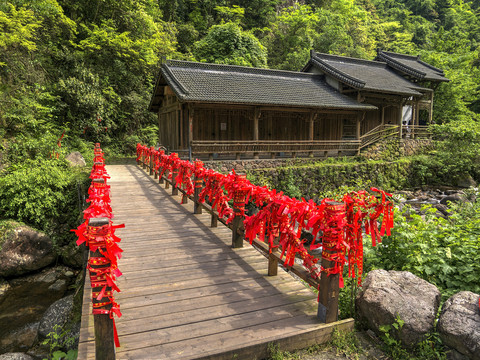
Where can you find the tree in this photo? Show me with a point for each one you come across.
(229, 44)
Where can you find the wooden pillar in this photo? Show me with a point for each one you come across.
(430, 112)
(358, 125)
(256, 118)
(417, 117)
(383, 115)
(329, 283)
(191, 112)
(358, 130)
(399, 120)
(311, 128)
(103, 324)
(180, 120)
(198, 183)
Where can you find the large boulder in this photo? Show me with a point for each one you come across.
(466, 181)
(388, 294)
(16, 356)
(21, 339)
(57, 314)
(76, 159)
(459, 324)
(74, 256)
(23, 250)
(24, 300)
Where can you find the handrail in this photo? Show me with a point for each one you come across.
(279, 221)
(258, 146)
(378, 133)
(416, 131)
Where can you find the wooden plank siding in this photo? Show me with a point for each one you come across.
(186, 294)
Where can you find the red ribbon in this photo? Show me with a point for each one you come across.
(103, 239)
(283, 218)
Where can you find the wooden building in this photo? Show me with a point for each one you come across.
(394, 83)
(216, 109)
(335, 105)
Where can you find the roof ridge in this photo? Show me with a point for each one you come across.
(399, 66)
(353, 81)
(236, 68)
(432, 67)
(351, 59)
(411, 57)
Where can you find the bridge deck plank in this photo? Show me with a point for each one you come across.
(186, 293)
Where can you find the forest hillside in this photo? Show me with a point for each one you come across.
(86, 69)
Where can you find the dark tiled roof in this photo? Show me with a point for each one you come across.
(211, 83)
(411, 65)
(363, 74)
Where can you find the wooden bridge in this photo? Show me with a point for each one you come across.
(187, 294)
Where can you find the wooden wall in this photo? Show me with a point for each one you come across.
(236, 123)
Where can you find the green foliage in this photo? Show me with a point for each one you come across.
(431, 348)
(229, 44)
(346, 344)
(444, 252)
(40, 193)
(456, 158)
(58, 339)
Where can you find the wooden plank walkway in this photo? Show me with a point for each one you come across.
(186, 294)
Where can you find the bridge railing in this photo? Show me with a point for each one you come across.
(274, 223)
(97, 233)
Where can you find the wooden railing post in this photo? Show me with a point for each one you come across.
(198, 183)
(167, 184)
(152, 149)
(329, 281)
(174, 176)
(239, 210)
(103, 324)
(160, 177)
(214, 219)
(272, 259)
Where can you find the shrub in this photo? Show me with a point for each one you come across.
(42, 193)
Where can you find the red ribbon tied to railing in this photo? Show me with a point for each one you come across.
(281, 220)
(103, 269)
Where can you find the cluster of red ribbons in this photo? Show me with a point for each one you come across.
(337, 227)
(102, 242)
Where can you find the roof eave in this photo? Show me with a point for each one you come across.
(353, 108)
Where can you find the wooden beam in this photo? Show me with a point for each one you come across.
(169, 108)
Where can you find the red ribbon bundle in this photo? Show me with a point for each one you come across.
(281, 219)
(103, 269)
